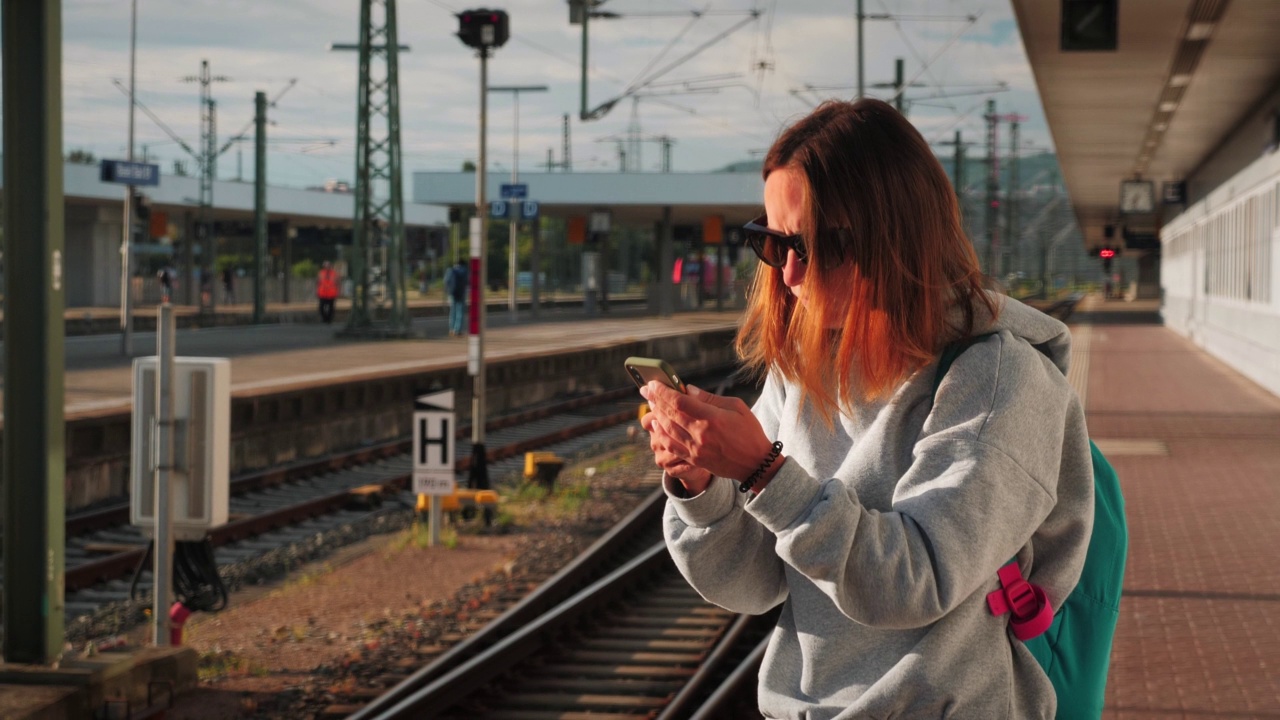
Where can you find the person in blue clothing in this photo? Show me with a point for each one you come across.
(872, 508)
(455, 289)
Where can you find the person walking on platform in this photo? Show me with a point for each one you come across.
(228, 286)
(455, 288)
(166, 277)
(327, 290)
(872, 497)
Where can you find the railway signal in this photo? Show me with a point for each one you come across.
(484, 30)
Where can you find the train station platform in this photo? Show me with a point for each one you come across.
(98, 379)
(1196, 446)
(1197, 449)
(98, 320)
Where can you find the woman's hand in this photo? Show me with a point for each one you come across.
(709, 432)
(695, 480)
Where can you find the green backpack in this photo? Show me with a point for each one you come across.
(1075, 650)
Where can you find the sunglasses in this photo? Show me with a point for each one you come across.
(771, 245)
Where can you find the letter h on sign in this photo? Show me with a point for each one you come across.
(427, 438)
(434, 444)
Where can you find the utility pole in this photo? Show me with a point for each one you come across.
(126, 244)
(861, 53)
(208, 158)
(514, 217)
(565, 147)
(1011, 199)
(259, 206)
(899, 86)
(995, 254)
(378, 252)
(993, 192)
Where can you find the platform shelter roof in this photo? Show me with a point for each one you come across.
(630, 197)
(234, 199)
(1188, 94)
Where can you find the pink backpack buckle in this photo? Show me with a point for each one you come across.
(1028, 603)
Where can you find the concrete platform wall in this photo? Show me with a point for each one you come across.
(275, 427)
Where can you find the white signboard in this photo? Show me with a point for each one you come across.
(434, 444)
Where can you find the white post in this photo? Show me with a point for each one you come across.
(475, 342)
(437, 519)
(513, 215)
(163, 437)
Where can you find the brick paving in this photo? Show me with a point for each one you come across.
(1199, 632)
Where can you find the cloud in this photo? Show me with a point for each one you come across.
(764, 68)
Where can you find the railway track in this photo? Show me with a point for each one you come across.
(292, 504)
(286, 497)
(637, 642)
(304, 500)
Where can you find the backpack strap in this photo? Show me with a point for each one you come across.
(949, 355)
(1028, 604)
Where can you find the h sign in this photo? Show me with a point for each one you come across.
(434, 444)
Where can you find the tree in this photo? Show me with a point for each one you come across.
(468, 166)
(81, 157)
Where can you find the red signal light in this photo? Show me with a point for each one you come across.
(1106, 253)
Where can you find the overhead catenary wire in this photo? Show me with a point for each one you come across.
(249, 126)
(155, 119)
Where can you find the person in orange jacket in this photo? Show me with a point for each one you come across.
(327, 290)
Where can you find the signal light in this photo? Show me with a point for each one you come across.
(1106, 253)
(483, 28)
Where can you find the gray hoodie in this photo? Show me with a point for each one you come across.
(883, 535)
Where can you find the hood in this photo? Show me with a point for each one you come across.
(1044, 333)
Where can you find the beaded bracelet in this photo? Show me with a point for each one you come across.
(768, 461)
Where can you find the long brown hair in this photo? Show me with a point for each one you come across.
(883, 231)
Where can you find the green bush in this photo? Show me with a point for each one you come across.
(305, 269)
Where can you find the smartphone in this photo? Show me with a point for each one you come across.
(642, 370)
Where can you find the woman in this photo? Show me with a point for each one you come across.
(877, 511)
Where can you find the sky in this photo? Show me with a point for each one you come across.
(761, 74)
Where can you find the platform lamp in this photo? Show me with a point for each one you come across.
(484, 30)
(514, 215)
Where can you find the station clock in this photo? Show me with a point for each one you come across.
(1137, 196)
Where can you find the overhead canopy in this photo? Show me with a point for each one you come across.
(632, 198)
(1183, 77)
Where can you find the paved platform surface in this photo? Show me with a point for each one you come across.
(268, 358)
(1197, 448)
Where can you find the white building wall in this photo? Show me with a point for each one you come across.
(1220, 269)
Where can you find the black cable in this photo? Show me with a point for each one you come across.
(196, 582)
(137, 571)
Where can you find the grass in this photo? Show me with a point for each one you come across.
(570, 498)
(222, 663)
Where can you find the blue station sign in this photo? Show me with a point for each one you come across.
(515, 191)
(129, 173)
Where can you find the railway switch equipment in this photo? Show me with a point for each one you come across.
(202, 433)
(543, 467)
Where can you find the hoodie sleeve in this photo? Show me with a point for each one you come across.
(722, 551)
(984, 477)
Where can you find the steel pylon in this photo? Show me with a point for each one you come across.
(378, 303)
